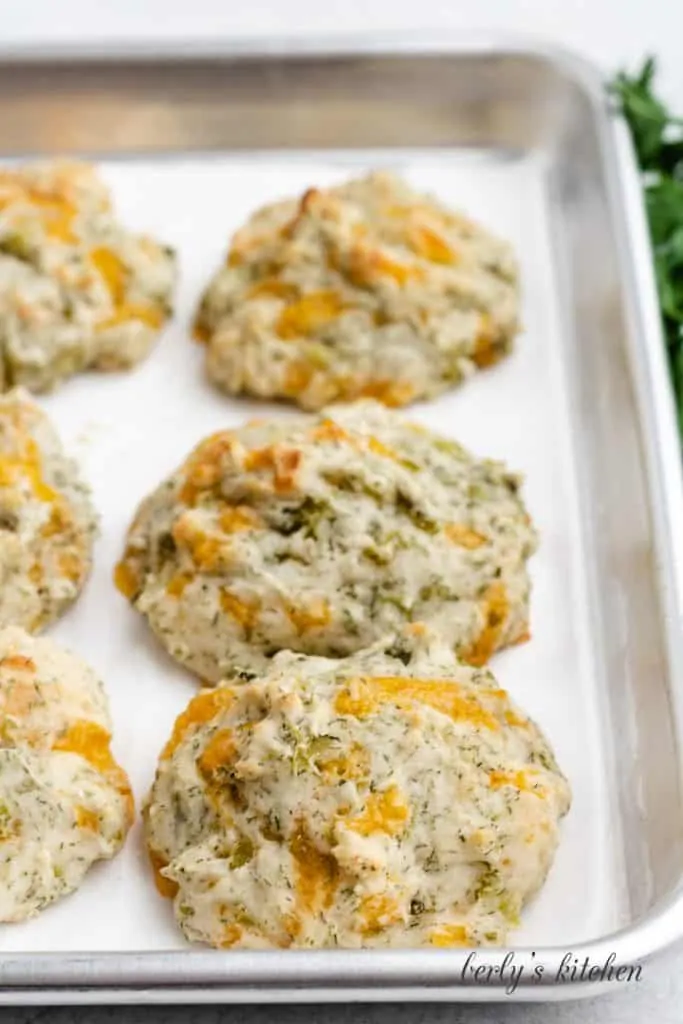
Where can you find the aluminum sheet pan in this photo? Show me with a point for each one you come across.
(522, 139)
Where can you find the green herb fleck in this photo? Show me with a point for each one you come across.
(242, 852)
(418, 518)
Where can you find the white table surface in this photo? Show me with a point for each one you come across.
(610, 32)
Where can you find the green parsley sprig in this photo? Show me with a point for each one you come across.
(658, 140)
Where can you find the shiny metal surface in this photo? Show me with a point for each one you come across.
(494, 95)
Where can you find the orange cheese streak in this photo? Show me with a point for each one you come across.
(450, 935)
(306, 618)
(92, 743)
(281, 461)
(201, 709)
(36, 573)
(316, 874)
(308, 314)
(71, 566)
(126, 580)
(87, 819)
(328, 430)
(273, 287)
(18, 661)
(165, 886)
(152, 316)
(246, 613)
(177, 584)
(112, 270)
(515, 720)
(203, 469)
(29, 467)
(56, 212)
(354, 766)
(496, 608)
(366, 265)
(208, 550)
(488, 350)
(219, 752)
(238, 518)
(365, 695)
(59, 216)
(231, 936)
(60, 520)
(519, 780)
(378, 913)
(384, 812)
(390, 393)
(298, 376)
(431, 246)
(463, 536)
(377, 447)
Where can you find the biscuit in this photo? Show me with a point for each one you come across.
(47, 522)
(77, 290)
(365, 290)
(64, 801)
(393, 798)
(323, 535)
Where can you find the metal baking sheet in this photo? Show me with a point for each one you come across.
(522, 139)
